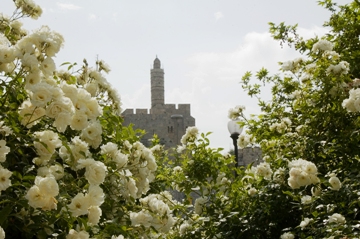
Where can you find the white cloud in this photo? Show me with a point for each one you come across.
(67, 6)
(218, 15)
(93, 17)
(215, 78)
(141, 98)
(115, 17)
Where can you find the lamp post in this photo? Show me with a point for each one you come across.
(235, 130)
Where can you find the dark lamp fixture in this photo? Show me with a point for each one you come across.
(235, 130)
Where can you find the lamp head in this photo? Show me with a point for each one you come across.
(234, 127)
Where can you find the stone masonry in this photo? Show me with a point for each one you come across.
(167, 121)
(249, 155)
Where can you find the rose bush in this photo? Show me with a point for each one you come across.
(69, 169)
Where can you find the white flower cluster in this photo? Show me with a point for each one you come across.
(302, 173)
(66, 104)
(4, 150)
(2, 233)
(331, 55)
(336, 218)
(155, 213)
(45, 145)
(5, 181)
(199, 204)
(95, 171)
(235, 113)
(88, 204)
(73, 234)
(177, 169)
(5, 130)
(184, 228)
(118, 237)
(306, 199)
(352, 104)
(287, 235)
(322, 45)
(5, 174)
(282, 126)
(56, 170)
(57, 107)
(111, 150)
(28, 7)
(135, 165)
(42, 194)
(304, 223)
(244, 140)
(223, 182)
(334, 182)
(340, 69)
(293, 65)
(263, 170)
(252, 191)
(190, 135)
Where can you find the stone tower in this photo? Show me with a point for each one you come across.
(168, 121)
(157, 87)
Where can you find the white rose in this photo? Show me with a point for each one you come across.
(79, 205)
(335, 183)
(2, 233)
(77, 235)
(5, 181)
(142, 218)
(79, 121)
(60, 105)
(306, 199)
(94, 215)
(93, 109)
(337, 218)
(95, 173)
(47, 186)
(41, 94)
(4, 150)
(96, 195)
(48, 66)
(62, 121)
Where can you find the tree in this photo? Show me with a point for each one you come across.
(308, 184)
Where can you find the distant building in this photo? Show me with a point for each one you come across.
(165, 120)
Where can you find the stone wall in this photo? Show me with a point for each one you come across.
(249, 155)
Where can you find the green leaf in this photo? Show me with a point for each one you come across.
(5, 213)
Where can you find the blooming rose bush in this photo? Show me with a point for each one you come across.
(307, 186)
(68, 168)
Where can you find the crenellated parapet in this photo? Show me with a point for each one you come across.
(170, 109)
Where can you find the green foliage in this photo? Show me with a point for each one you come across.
(309, 127)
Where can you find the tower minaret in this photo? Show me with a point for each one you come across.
(157, 87)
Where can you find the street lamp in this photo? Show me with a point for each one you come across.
(235, 130)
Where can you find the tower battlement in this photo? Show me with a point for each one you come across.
(135, 112)
(169, 108)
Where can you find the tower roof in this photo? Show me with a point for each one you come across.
(157, 63)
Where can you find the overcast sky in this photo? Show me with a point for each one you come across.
(205, 46)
